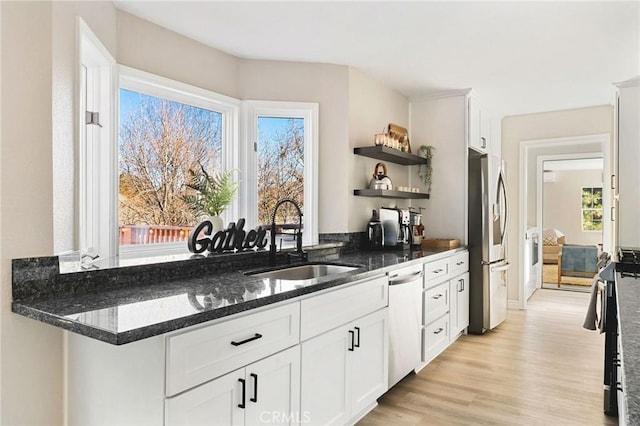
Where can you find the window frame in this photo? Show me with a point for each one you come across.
(252, 110)
(583, 209)
(165, 88)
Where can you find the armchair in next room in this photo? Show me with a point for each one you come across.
(577, 261)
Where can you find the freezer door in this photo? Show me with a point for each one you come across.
(496, 294)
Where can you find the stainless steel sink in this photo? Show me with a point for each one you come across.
(305, 272)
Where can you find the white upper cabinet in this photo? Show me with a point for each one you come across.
(628, 157)
(480, 126)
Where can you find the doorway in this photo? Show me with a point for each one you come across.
(572, 222)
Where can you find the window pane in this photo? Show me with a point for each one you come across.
(159, 141)
(280, 167)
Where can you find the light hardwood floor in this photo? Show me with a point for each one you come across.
(540, 367)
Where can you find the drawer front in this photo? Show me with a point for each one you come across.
(197, 356)
(459, 264)
(436, 302)
(435, 272)
(333, 309)
(435, 338)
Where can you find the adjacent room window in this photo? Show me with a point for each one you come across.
(591, 209)
(165, 130)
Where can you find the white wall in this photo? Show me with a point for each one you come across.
(372, 106)
(547, 125)
(327, 85)
(31, 353)
(562, 202)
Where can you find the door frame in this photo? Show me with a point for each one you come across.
(525, 157)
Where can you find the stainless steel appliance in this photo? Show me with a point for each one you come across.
(405, 226)
(405, 321)
(488, 264)
(390, 219)
(416, 228)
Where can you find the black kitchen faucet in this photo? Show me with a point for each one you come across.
(272, 248)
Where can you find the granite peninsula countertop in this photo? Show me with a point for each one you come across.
(628, 298)
(126, 312)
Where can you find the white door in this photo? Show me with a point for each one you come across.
(369, 360)
(216, 402)
(325, 386)
(273, 389)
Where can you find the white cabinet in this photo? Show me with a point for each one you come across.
(479, 125)
(628, 157)
(445, 303)
(344, 370)
(459, 289)
(266, 391)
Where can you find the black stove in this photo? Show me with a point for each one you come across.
(628, 261)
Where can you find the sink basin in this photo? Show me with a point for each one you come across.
(305, 272)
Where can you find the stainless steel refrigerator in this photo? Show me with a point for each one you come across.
(488, 263)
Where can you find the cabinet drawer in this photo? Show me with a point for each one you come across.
(435, 272)
(331, 310)
(435, 338)
(200, 355)
(436, 302)
(459, 264)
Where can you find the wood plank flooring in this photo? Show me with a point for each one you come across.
(540, 367)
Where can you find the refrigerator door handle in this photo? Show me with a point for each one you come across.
(502, 187)
(501, 268)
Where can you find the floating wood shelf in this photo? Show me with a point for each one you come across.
(380, 152)
(386, 193)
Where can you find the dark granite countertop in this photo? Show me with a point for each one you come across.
(628, 298)
(127, 312)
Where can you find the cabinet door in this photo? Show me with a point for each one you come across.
(369, 360)
(462, 302)
(273, 389)
(215, 402)
(325, 389)
(474, 123)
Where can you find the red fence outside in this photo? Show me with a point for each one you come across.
(150, 234)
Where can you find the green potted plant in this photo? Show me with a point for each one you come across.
(213, 193)
(425, 171)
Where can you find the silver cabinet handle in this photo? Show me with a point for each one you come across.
(461, 286)
(460, 263)
(437, 296)
(439, 330)
(437, 271)
(396, 279)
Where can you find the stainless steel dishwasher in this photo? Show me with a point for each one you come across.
(405, 321)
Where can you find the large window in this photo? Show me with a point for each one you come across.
(591, 209)
(160, 142)
(167, 130)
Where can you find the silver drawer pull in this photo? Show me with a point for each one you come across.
(460, 263)
(437, 271)
(439, 330)
(437, 296)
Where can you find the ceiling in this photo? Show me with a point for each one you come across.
(520, 57)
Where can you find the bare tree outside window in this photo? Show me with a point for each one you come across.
(280, 167)
(159, 142)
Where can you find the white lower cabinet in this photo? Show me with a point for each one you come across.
(344, 370)
(265, 392)
(459, 290)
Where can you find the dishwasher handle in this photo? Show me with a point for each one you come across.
(403, 279)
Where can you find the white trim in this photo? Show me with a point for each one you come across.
(97, 218)
(633, 82)
(604, 140)
(309, 112)
(514, 304)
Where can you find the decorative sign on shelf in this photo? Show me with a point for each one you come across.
(230, 239)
